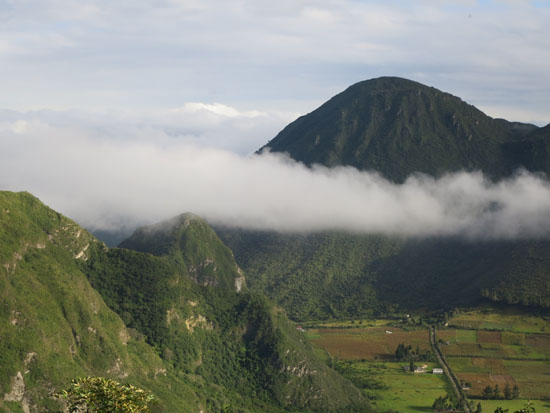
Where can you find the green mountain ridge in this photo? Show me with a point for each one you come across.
(192, 244)
(340, 275)
(53, 325)
(398, 127)
(72, 307)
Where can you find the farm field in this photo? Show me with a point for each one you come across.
(363, 355)
(510, 348)
(495, 344)
(486, 346)
(375, 343)
(502, 318)
(482, 364)
(404, 392)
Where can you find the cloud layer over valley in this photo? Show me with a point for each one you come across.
(121, 175)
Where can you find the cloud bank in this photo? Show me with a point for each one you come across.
(105, 178)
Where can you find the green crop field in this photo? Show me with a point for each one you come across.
(407, 392)
(502, 318)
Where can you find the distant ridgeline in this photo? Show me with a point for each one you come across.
(173, 316)
(397, 127)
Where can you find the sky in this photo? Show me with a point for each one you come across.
(107, 106)
(285, 56)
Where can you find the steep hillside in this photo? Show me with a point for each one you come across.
(396, 126)
(53, 325)
(339, 275)
(190, 242)
(533, 151)
(234, 339)
(193, 345)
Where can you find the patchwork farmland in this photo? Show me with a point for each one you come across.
(487, 346)
(366, 356)
(499, 346)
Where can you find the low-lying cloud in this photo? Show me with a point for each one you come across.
(104, 181)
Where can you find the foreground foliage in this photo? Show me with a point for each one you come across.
(97, 394)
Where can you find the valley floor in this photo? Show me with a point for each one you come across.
(486, 346)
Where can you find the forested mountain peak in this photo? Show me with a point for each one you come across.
(397, 127)
(194, 245)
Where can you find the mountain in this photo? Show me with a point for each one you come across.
(196, 310)
(194, 246)
(53, 325)
(168, 319)
(397, 127)
(533, 151)
(340, 275)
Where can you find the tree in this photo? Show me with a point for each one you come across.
(515, 392)
(507, 392)
(442, 404)
(496, 392)
(487, 392)
(439, 404)
(479, 408)
(97, 394)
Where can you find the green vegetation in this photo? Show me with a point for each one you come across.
(53, 324)
(376, 356)
(406, 352)
(507, 319)
(172, 324)
(334, 275)
(506, 362)
(391, 388)
(365, 354)
(105, 395)
(513, 405)
(190, 243)
(398, 127)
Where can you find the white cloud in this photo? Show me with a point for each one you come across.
(19, 126)
(218, 109)
(103, 180)
(209, 125)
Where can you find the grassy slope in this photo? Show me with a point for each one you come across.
(53, 325)
(219, 350)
